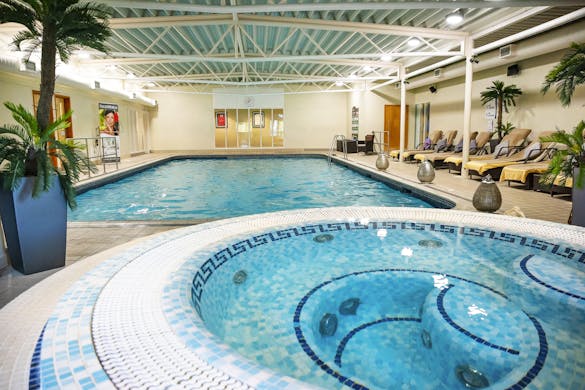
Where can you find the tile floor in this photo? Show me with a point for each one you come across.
(86, 239)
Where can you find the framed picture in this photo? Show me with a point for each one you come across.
(258, 119)
(220, 119)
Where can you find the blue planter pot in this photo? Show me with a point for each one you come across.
(35, 229)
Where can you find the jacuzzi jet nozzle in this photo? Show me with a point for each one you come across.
(470, 377)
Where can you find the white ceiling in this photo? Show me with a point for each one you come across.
(296, 44)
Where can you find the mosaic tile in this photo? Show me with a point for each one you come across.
(132, 325)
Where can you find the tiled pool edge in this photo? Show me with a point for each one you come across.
(478, 219)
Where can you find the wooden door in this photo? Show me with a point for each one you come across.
(392, 127)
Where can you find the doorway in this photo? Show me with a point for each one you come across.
(392, 126)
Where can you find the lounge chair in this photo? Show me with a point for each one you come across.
(369, 144)
(523, 173)
(477, 141)
(534, 152)
(429, 144)
(443, 144)
(512, 142)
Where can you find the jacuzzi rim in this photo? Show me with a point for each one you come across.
(230, 228)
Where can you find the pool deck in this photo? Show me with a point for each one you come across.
(96, 242)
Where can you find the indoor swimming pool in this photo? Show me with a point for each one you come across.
(212, 188)
(350, 297)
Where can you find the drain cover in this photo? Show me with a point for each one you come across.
(430, 243)
(321, 238)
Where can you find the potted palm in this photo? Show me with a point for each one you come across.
(35, 191)
(569, 162)
(34, 165)
(504, 96)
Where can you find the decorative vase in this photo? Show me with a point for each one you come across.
(426, 172)
(382, 162)
(487, 196)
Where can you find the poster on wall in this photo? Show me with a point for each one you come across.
(355, 122)
(109, 131)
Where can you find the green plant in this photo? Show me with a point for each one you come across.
(28, 150)
(566, 159)
(56, 26)
(504, 96)
(567, 74)
(506, 128)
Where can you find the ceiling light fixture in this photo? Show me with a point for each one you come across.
(386, 58)
(367, 68)
(339, 83)
(413, 42)
(454, 18)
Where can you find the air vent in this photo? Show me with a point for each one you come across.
(506, 51)
(437, 73)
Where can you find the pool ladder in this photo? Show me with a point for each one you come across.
(341, 138)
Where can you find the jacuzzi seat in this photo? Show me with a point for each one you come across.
(477, 332)
(559, 286)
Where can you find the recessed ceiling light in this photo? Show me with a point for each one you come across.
(367, 68)
(454, 18)
(386, 58)
(413, 42)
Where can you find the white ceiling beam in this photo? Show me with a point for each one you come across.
(370, 28)
(139, 58)
(342, 6)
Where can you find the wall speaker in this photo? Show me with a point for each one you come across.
(513, 70)
(433, 89)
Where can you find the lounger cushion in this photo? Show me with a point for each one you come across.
(441, 145)
(459, 147)
(532, 150)
(501, 149)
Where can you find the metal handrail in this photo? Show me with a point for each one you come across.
(337, 137)
(102, 154)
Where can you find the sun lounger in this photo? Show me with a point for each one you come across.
(523, 173)
(534, 152)
(443, 144)
(432, 139)
(477, 141)
(510, 143)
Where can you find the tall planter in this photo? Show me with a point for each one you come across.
(35, 228)
(578, 199)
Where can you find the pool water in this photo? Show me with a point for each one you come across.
(195, 189)
(392, 305)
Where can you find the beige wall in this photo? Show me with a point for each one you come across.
(533, 110)
(17, 88)
(183, 122)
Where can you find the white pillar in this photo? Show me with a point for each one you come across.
(467, 101)
(402, 112)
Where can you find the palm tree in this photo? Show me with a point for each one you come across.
(56, 26)
(567, 159)
(504, 96)
(25, 143)
(568, 74)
